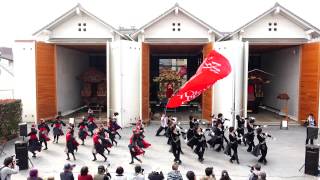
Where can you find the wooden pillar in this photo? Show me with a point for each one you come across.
(309, 81)
(145, 82)
(46, 80)
(207, 95)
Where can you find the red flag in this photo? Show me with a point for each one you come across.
(213, 68)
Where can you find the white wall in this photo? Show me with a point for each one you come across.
(69, 29)
(25, 78)
(284, 64)
(125, 80)
(223, 89)
(188, 28)
(70, 65)
(285, 28)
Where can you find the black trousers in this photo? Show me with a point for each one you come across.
(235, 153)
(307, 141)
(250, 142)
(264, 151)
(176, 150)
(160, 130)
(43, 141)
(199, 150)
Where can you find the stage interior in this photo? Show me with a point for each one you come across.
(81, 76)
(176, 64)
(279, 66)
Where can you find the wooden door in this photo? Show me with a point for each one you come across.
(145, 75)
(309, 81)
(46, 80)
(207, 95)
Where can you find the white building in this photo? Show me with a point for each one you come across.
(277, 41)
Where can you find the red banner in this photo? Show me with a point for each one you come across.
(213, 68)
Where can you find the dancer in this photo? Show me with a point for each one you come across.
(175, 144)
(250, 135)
(163, 125)
(104, 137)
(201, 144)
(233, 143)
(240, 130)
(192, 140)
(34, 144)
(217, 138)
(43, 133)
(91, 124)
(57, 128)
(83, 132)
(139, 130)
(98, 147)
(112, 130)
(134, 148)
(114, 124)
(262, 144)
(71, 143)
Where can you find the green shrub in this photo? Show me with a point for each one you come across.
(10, 117)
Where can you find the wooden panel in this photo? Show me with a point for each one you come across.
(46, 80)
(207, 95)
(145, 82)
(309, 81)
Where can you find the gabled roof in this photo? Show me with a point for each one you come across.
(180, 9)
(277, 7)
(78, 8)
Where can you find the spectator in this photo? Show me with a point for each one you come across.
(209, 174)
(154, 175)
(138, 175)
(119, 174)
(67, 172)
(103, 174)
(262, 176)
(190, 175)
(175, 173)
(9, 168)
(255, 171)
(225, 175)
(33, 175)
(84, 174)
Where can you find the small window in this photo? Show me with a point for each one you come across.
(79, 24)
(84, 24)
(270, 29)
(275, 29)
(173, 29)
(79, 29)
(173, 24)
(178, 24)
(178, 29)
(270, 24)
(275, 24)
(84, 29)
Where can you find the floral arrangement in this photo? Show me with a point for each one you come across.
(168, 76)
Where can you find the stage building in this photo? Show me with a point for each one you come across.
(78, 59)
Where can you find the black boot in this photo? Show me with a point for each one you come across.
(94, 157)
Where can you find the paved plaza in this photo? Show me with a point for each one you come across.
(285, 157)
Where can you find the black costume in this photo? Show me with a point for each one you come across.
(83, 133)
(175, 144)
(106, 143)
(233, 143)
(34, 144)
(263, 146)
(98, 147)
(200, 145)
(250, 136)
(217, 138)
(240, 129)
